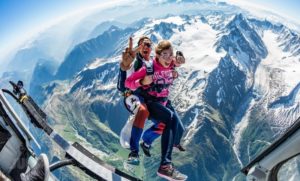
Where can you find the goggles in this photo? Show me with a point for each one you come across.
(147, 44)
(167, 55)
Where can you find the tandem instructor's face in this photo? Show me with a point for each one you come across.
(146, 47)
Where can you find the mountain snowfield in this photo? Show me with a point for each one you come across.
(199, 42)
(288, 66)
(238, 91)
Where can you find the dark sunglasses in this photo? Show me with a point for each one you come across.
(148, 44)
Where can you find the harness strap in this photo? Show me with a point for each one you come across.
(149, 67)
(157, 87)
(150, 98)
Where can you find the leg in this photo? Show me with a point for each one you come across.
(160, 112)
(153, 132)
(157, 129)
(166, 170)
(180, 127)
(150, 135)
(138, 126)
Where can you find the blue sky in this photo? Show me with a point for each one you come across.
(19, 18)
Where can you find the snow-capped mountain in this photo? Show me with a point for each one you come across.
(43, 74)
(101, 46)
(219, 94)
(238, 91)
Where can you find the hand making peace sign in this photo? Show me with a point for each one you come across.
(128, 55)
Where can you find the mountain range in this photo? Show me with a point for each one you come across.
(237, 92)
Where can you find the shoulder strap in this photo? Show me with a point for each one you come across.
(149, 67)
(138, 62)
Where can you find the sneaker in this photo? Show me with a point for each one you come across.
(170, 173)
(133, 158)
(40, 172)
(146, 149)
(179, 147)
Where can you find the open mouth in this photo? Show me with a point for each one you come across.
(145, 52)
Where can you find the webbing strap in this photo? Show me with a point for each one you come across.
(149, 67)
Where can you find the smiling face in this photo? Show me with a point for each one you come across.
(164, 53)
(166, 56)
(145, 48)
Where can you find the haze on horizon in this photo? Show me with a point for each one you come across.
(21, 20)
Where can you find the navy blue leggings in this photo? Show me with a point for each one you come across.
(167, 116)
(155, 131)
(180, 128)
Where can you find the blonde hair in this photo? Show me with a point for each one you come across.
(163, 45)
